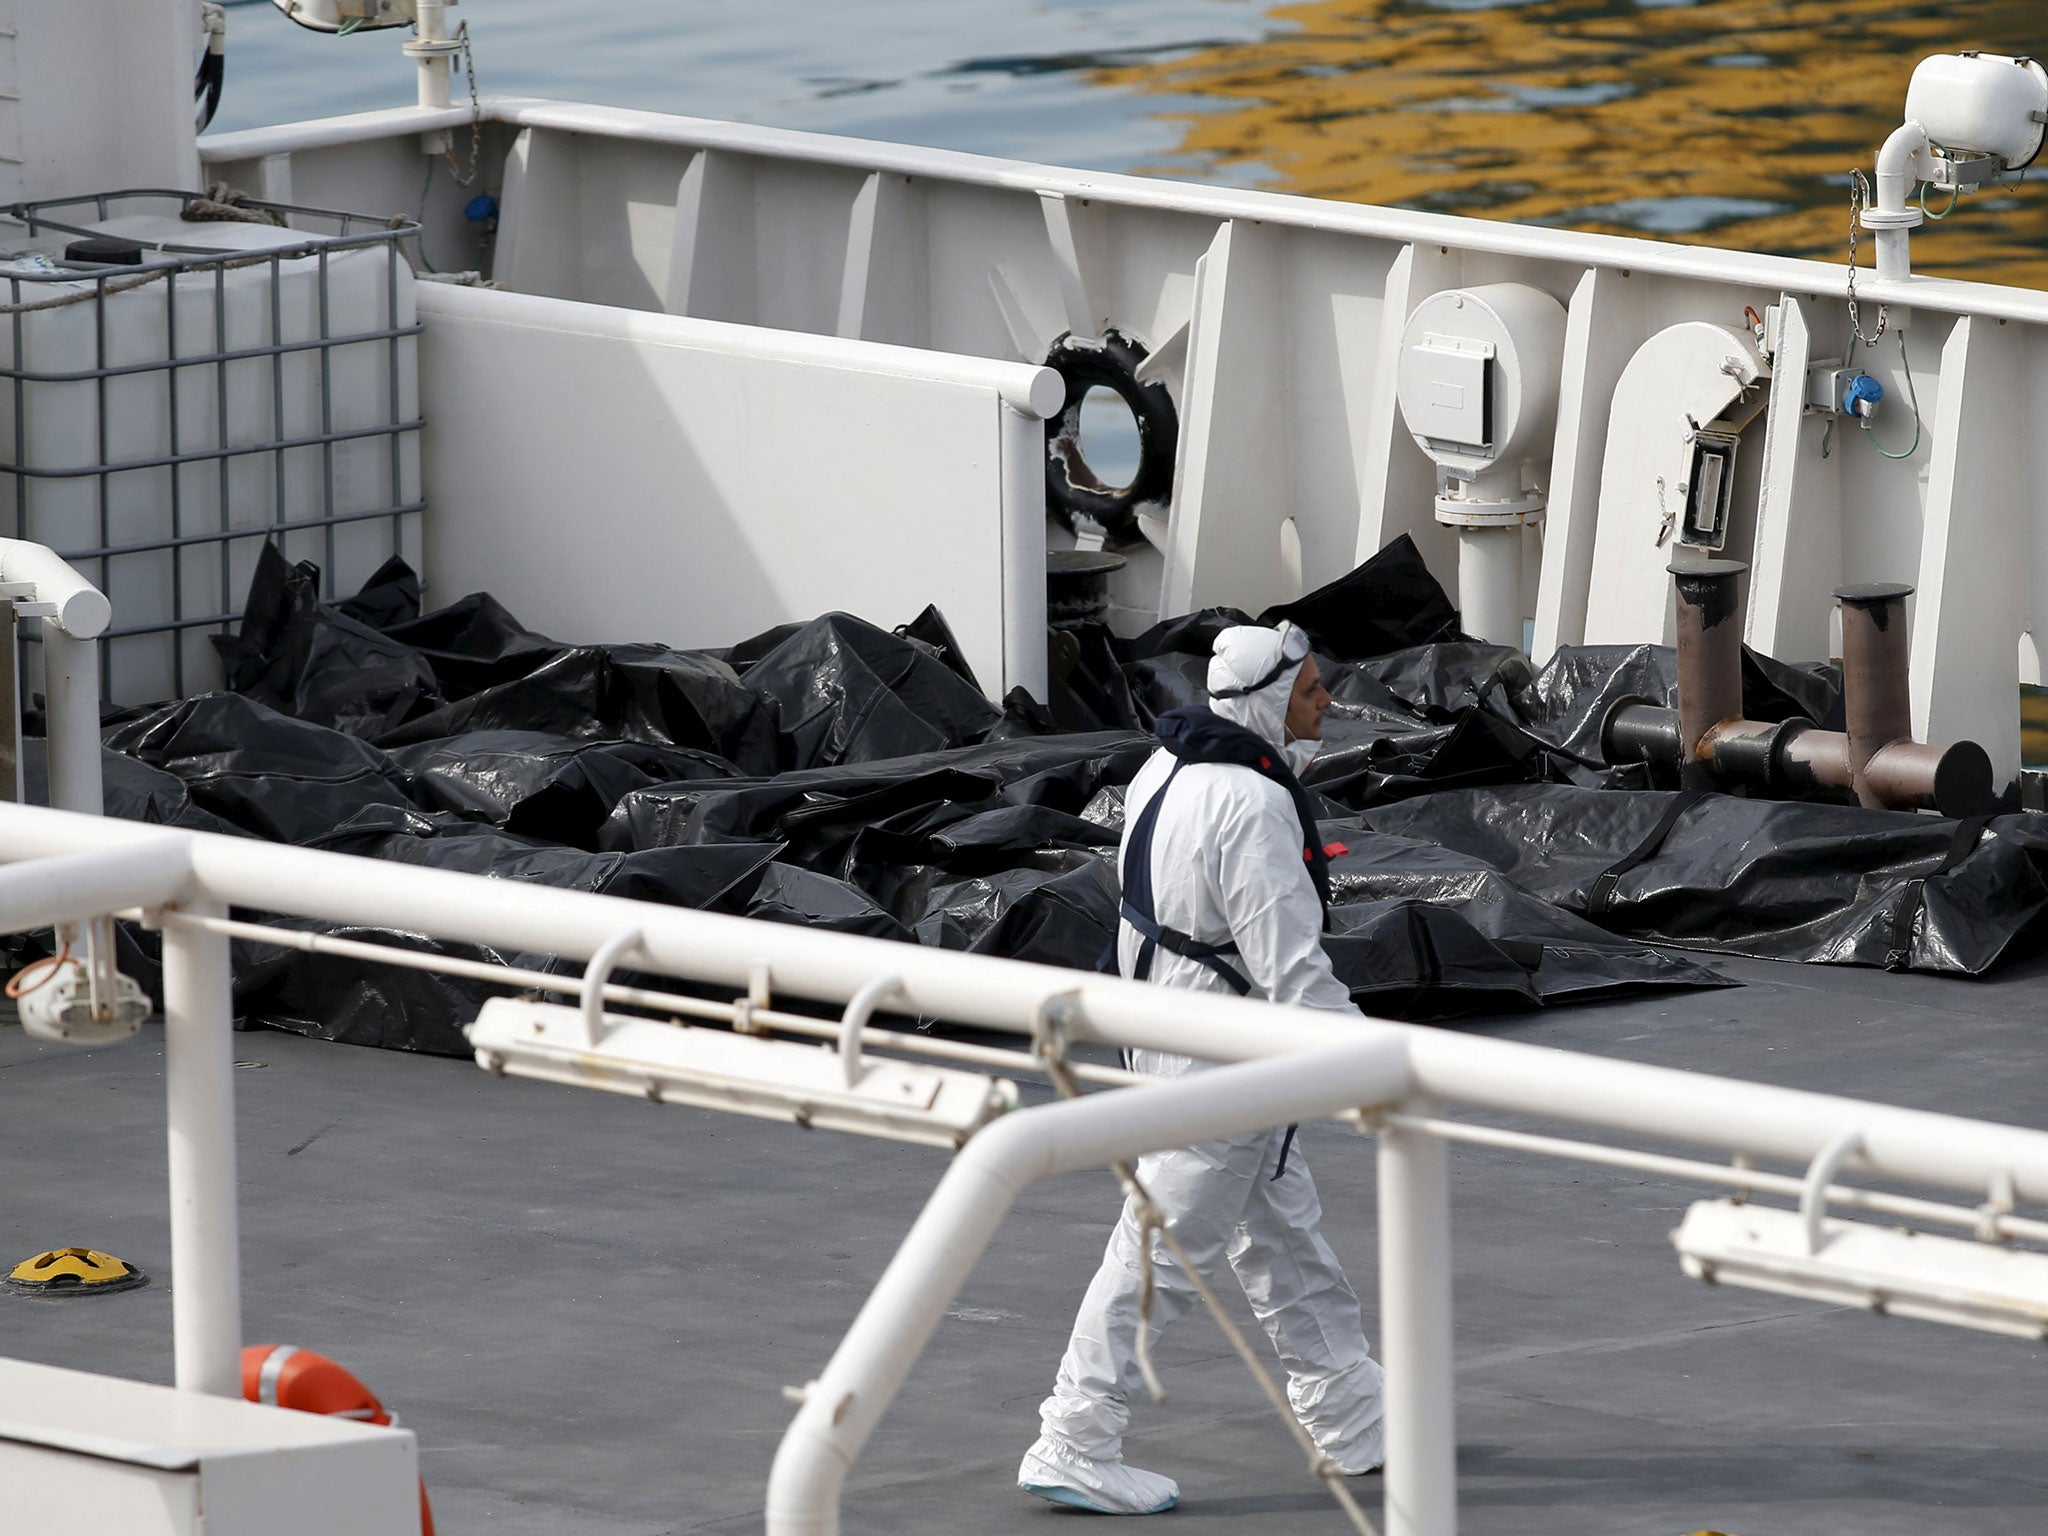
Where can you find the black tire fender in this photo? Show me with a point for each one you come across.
(1072, 493)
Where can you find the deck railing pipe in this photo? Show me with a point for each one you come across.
(199, 1087)
(842, 1407)
(705, 946)
(1786, 1124)
(71, 691)
(70, 887)
(71, 669)
(1656, 1102)
(1415, 1333)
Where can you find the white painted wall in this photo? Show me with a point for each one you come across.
(614, 476)
(96, 95)
(1286, 313)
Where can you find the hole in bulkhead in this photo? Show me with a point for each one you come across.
(1108, 439)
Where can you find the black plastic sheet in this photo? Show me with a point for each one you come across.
(1060, 916)
(843, 691)
(265, 773)
(327, 663)
(1779, 880)
(1423, 931)
(820, 812)
(1389, 603)
(557, 788)
(838, 775)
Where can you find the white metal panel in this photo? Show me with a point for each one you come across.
(1602, 321)
(1677, 380)
(49, 1490)
(884, 290)
(1331, 311)
(1798, 549)
(1397, 483)
(1232, 488)
(694, 482)
(1972, 601)
(109, 1454)
(70, 132)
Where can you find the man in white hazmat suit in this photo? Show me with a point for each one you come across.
(1230, 898)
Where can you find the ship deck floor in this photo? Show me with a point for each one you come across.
(586, 1306)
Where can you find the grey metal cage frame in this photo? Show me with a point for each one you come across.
(179, 269)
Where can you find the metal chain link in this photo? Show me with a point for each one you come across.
(476, 117)
(1050, 1044)
(1859, 198)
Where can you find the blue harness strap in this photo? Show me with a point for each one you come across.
(1139, 913)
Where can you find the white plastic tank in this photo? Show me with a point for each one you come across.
(216, 367)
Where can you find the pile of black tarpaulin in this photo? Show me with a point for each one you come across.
(842, 776)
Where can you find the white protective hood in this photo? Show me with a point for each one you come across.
(1243, 655)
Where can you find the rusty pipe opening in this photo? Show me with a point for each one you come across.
(1634, 730)
(1709, 597)
(1952, 781)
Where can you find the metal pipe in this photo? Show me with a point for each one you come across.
(1709, 599)
(1956, 781)
(705, 946)
(199, 1088)
(1785, 1124)
(1817, 759)
(1637, 731)
(599, 971)
(69, 887)
(855, 1021)
(674, 1003)
(81, 609)
(1889, 218)
(1996, 1224)
(1415, 1333)
(436, 66)
(843, 1406)
(1490, 583)
(71, 689)
(1654, 1102)
(1877, 705)
(1750, 752)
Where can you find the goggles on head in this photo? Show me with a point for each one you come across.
(1294, 648)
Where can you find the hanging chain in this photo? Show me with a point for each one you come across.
(1859, 198)
(476, 117)
(1050, 1044)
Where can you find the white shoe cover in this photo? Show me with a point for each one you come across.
(1054, 1472)
(1367, 1454)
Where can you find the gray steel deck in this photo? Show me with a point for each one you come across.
(586, 1306)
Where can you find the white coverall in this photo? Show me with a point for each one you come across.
(1227, 860)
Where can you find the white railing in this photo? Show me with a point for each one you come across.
(74, 614)
(1397, 1080)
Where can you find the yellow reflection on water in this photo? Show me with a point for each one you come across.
(1726, 122)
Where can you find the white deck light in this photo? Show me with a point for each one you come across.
(809, 1085)
(1888, 1269)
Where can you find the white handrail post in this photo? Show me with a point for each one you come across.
(1415, 1332)
(71, 688)
(206, 1294)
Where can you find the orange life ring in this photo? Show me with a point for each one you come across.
(285, 1376)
